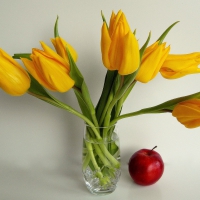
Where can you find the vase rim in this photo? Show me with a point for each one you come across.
(87, 125)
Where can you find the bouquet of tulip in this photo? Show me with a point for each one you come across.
(126, 64)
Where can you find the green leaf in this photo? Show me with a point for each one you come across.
(56, 34)
(39, 92)
(162, 37)
(80, 85)
(122, 100)
(104, 19)
(22, 55)
(169, 105)
(86, 96)
(144, 46)
(128, 79)
(75, 74)
(108, 84)
(37, 89)
(113, 148)
(82, 104)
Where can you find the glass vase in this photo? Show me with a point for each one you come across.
(101, 159)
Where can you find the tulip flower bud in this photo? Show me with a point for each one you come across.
(188, 113)
(14, 80)
(49, 69)
(152, 60)
(119, 47)
(176, 66)
(60, 45)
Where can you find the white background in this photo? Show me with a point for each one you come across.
(40, 145)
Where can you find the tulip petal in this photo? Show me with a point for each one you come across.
(153, 58)
(193, 124)
(188, 113)
(114, 22)
(185, 110)
(39, 53)
(50, 69)
(131, 56)
(125, 24)
(105, 45)
(116, 48)
(14, 79)
(189, 122)
(34, 72)
(52, 73)
(177, 66)
(165, 53)
(112, 19)
(60, 45)
(119, 46)
(54, 55)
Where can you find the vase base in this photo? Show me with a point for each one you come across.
(95, 187)
(99, 191)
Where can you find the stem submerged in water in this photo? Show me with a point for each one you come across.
(99, 157)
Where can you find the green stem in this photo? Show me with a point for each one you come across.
(125, 83)
(167, 106)
(110, 98)
(102, 148)
(106, 158)
(85, 104)
(94, 119)
(109, 156)
(108, 116)
(90, 151)
(113, 91)
(59, 104)
(108, 84)
(101, 156)
(116, 89)
(123, 98)
(136, 113)
(86, 162)
(102, 151)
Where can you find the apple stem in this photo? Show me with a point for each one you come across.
(153, 148)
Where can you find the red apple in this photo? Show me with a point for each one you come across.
(146, 166)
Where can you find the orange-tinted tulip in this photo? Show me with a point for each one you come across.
(188, 113)
(119, 47)
(49, 69)
(176, 66)
(152, 60)
(14, 80)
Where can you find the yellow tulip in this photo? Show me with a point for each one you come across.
(176, 66)
(119, 47)
(152, 60)
(14, 80)
(188, 113)
(49, 69)
(60, 45)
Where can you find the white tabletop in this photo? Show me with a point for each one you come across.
(62, 179)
